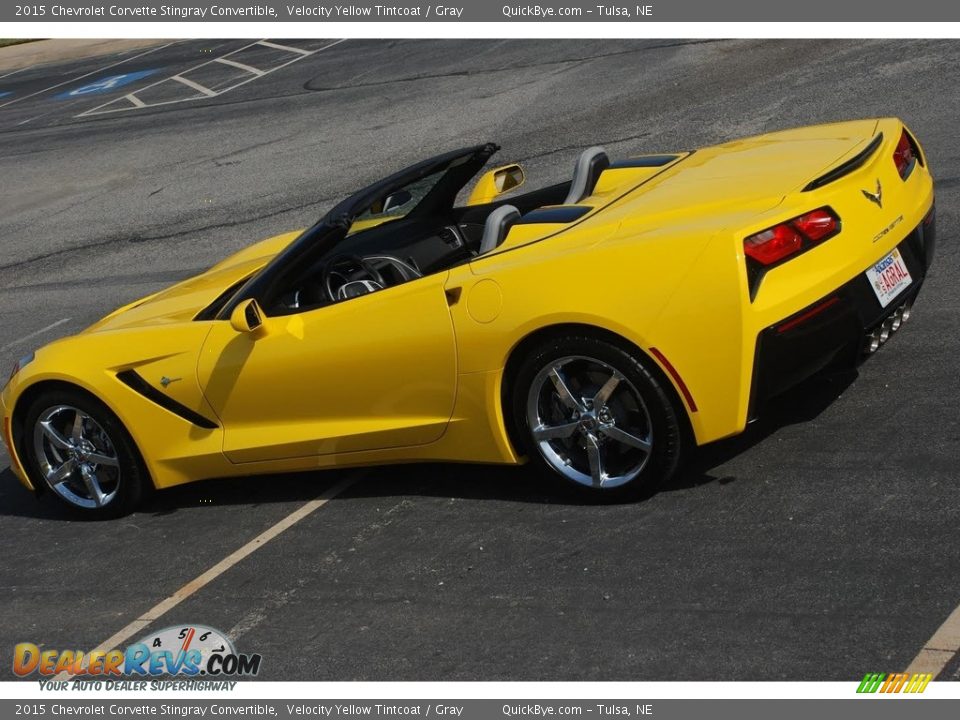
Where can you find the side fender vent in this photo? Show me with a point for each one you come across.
(135, 382)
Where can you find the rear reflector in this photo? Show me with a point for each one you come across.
(11, 450)
(684, 390)
(8, 436)
(807, 315)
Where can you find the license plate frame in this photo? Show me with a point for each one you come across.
(889, 277)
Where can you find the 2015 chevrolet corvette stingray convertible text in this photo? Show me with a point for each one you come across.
(601, 327)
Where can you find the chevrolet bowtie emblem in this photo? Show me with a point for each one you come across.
(166, 381)
(875, 197)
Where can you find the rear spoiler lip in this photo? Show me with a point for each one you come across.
(847, 167)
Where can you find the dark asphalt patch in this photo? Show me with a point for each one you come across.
(73, 583)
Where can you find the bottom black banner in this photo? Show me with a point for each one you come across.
(868, 707)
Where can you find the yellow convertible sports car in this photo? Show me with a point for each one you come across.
(599, 328)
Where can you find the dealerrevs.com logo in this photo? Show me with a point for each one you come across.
(191, 650)
(894, 682)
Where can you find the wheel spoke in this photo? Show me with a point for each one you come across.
(92, 482)
(595, 456)
(625, 438)
(54, 436)
(60, 474)
(563, 392)
(100, 459)
(555, 432)
(604, 393)
(77, 432)
(58, 455)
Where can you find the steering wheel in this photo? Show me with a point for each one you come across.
(345, 268)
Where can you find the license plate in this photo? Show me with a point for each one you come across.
(889, 277)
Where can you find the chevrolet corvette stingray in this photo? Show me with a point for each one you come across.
(599, 328)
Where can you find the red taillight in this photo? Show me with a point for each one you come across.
(903, 156)
(781, 241)
(773, 245)
(816, 225)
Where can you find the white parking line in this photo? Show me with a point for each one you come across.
(53, 109)
(93, 72)
(34, 334)
(940, 648)
(205, 578)
(14, 72)
(278, 46)
(241, 66)
(191, 84)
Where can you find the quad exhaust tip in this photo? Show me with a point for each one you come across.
(897, 320)
(885, 330)
(880, 335)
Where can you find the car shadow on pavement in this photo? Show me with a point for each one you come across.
(17, 501)
(467, 482)
(798, 405)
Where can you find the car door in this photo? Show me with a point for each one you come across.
(376, 371)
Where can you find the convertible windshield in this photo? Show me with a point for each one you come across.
(396, 204)
(422, 194)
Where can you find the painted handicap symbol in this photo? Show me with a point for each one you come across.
(106, 84)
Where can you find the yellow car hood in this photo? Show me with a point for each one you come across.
(181, 302)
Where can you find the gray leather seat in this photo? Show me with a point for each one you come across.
(497, 226)
(590, 164)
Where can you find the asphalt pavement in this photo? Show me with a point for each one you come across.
(820, 545)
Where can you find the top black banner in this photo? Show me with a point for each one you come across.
(480, 11)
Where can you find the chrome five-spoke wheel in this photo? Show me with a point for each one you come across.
(76, 457)
(589, 422)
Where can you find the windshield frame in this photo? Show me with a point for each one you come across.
(458, 166)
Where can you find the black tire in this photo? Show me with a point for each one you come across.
(658, 421)
(125, 488)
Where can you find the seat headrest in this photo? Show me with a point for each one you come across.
(497, 226)
(590, 164)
